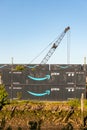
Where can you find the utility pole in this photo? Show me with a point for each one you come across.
(84, 63)
(82, 108)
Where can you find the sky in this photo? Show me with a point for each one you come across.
(27, 27)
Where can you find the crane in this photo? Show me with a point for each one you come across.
(54, 46)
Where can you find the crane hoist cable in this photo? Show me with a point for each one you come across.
(40, 53)
(54, 46)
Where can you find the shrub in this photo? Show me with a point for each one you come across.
(74, 102)
(3, 96)
(19, 68)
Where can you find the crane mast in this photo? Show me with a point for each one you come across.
(54, 46)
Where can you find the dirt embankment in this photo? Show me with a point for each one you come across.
(42, 116)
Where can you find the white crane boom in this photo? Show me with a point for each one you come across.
(54, 46)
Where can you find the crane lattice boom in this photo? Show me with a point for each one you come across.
(54, 46)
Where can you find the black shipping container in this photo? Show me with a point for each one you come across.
(44, 82)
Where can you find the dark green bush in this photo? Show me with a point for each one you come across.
(3, 96)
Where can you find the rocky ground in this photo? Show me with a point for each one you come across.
(42, 116)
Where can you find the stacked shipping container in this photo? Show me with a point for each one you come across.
(44, 82)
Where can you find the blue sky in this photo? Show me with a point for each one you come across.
(29, 26)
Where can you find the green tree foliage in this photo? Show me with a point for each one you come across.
(3, 96)
(19, 95)
(19, 67)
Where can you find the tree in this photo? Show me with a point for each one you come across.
(3, 96)
(19, 67)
